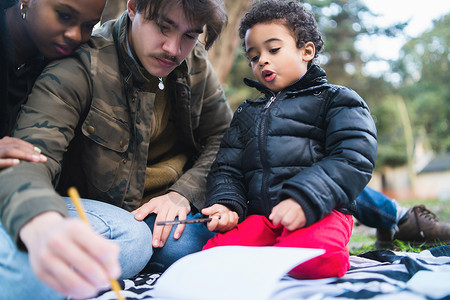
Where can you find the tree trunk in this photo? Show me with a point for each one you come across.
(223, 53)
(409, 140)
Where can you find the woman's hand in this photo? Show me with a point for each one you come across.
(12, 150)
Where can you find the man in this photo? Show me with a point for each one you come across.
(133, 120)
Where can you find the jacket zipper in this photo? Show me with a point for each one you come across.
(262, 149)
(269, 103)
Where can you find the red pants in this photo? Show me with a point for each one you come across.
(332, 234)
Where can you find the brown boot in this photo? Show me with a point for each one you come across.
(420, 228)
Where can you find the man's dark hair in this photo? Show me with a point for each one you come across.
(292, 14)
(209, 12)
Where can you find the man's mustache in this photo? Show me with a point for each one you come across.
(169, 57)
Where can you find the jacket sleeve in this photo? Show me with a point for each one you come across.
(349, 158)
(214, 119)
(48, 121)
(225, 182)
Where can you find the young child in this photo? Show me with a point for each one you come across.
(293, 161)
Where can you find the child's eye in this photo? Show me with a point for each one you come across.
(274, 50)
(254, 58)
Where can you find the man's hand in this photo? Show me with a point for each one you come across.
(167, 208)
(69, 256)
(223, 219)
(12, 150)
(289, 213)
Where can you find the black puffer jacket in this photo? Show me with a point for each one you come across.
(313, 142)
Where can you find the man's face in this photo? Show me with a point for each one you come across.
(162, 47)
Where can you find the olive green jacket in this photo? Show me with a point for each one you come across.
(97, 106)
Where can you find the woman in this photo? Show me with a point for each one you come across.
(34, 32)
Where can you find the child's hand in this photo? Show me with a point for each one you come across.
(289, 213)
(223, 219)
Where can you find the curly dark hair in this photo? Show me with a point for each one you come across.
(292, 14)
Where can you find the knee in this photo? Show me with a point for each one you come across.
(330, 264)
(135, 249)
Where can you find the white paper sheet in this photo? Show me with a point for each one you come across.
(230, 273)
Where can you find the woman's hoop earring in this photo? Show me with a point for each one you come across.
(23, 11)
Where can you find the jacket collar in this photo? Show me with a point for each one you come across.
(313, 77)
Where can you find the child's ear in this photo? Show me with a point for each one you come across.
(309, 51)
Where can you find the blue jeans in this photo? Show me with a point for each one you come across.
(192, 240)
(375, 209)
(17, 279)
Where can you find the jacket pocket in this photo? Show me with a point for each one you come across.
(106, 141)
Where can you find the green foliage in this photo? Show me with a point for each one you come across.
(425, 72)
(235, 89)
(340, 24)
(391, 138)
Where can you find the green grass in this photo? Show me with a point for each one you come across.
(368, 244)
(363, 239)
(360, 243)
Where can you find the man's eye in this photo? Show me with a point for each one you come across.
(191, 37)
(164, 28)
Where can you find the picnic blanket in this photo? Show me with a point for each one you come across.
(380, 274)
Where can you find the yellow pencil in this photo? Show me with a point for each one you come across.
(73, 194)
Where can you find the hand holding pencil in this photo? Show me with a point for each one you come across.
(69, 256)
(73, 193)
(222, 218)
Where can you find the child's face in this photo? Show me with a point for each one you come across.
(274, 57)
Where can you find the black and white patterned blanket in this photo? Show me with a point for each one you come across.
(380, 274)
